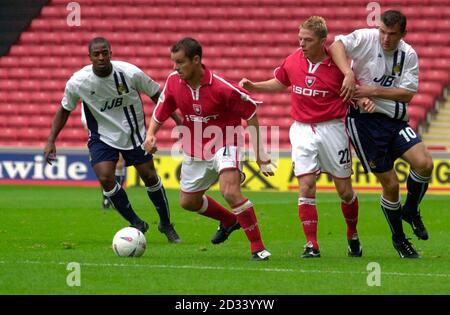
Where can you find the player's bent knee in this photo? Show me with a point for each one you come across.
(151, 180)
(347, 195)
(107, 181)
(189, 204)
(428, 165)
(424, 166)
(392, 187)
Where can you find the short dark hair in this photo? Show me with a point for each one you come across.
(190, 46)
(392, 17)
(98, 40)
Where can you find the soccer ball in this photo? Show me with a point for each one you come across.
(129, 242)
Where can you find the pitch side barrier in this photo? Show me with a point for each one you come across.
(27, 166)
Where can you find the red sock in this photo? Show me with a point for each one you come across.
(212, 209)
(247, 219)
(307, 212)
(350, 211)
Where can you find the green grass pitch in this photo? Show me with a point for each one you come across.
(42, 229)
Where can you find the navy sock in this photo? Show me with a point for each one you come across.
(120, 175)
(104, 197)
(120, 201)
(417, 186)
(392, 212)
(120, 179)
(157, 195)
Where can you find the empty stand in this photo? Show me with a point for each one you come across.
(240, 38)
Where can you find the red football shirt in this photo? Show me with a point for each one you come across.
(209, 112)
(315, 88)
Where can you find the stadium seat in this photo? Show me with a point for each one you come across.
(240, 38)
(414, 123)
(432, 88)
(435, 75)
(423, 100)
(418, 113)
(8, 136)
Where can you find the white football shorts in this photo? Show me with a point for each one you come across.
(322, 147)
(199, 175)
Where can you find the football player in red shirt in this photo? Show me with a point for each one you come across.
(210, 105)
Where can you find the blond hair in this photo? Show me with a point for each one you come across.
(316, 24)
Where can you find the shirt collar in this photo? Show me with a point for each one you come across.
(327, 61)
(207, 77)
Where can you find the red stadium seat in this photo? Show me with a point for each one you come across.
(423, 100)
(435, 75)
(8, 136)
(240, 38)
(432, 88)
(414, 123)
(418, 113)
(53, 12)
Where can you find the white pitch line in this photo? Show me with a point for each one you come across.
(194, 267)
(333, 200)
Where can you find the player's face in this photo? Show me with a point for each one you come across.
(310, 43)
(100, 56)
(390, 36)
(185, 66)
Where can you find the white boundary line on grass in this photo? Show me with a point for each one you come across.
(334, 200)
(402, 274)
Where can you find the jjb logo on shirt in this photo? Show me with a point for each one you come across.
(385, 80)
(116, 102)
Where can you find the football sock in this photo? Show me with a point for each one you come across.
(104, 197)
(120, 175)
(392, 212)
(247, 219)
(417, 186)
(350, 211)
(212, 209)
(157, 195)
(307, 212)
(119, 199)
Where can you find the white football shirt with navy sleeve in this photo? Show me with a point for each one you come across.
(112, 105)
(374, 66)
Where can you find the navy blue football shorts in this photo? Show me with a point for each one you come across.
(100, 151)
(379, 140)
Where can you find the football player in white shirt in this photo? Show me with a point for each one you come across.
(387, 71)
(115, 119)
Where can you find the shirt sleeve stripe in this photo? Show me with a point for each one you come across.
(245, 96)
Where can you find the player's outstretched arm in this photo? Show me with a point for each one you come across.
(262, 158)
(59, 121)
(149, 144)
(393, 94)
(272, 85)
(337, 51)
